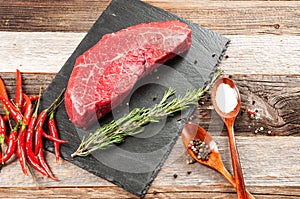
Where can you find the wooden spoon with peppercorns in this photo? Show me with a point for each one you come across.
(192, 132)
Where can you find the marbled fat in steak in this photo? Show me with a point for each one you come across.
(105, 74)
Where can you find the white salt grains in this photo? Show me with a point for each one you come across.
(226, 98)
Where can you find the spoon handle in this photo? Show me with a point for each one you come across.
(224, 172)
(237, 169)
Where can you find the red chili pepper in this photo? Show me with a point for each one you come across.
(34, 97)
(54, 139)
(30, 132)
(27, 113)
(20, 152)
(11, 144)
(38, 132)
(5, 118)
(14, 112)
(32, 159)
(54, 132)
(29, 136)
(44, 164)
(18, 97)
(24, 106)
(3, 93)
(2, 137)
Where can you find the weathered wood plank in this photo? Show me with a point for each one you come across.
(218, 191)
(47, 52)
(200, 192)
(265, 40)
(262, 55)
(64, 192)
(271, 161)
(275, 98)
(270, 164)
(32, 82)
(258, 155)
(36, 51)
(226, 17)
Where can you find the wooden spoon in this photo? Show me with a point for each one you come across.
(221, 104)
(193, 131)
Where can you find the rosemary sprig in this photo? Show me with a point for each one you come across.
(134, 122)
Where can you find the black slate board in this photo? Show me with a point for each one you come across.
(134, 164)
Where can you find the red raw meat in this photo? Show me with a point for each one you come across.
(105, 74)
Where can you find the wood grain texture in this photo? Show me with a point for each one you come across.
(32, 82)
(36, 51)
(225, 17)
(274, 98)
(48, 51)
(199, 192)
(265, 54)
(258, 154)
(39, 36)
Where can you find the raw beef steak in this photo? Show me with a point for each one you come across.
(105, 74)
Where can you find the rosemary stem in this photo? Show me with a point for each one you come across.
(132, 124)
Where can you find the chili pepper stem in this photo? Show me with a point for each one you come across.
(13, 111)
(2, 139)
(55, 104)
(7, 113)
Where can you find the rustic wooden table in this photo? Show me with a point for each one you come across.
(263, 58)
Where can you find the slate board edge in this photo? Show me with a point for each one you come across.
(166, 155)
(155, 172)
(172, 143)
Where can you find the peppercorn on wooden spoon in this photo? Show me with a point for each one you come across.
(193, 131)
(227, 102)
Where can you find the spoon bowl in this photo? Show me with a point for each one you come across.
(193, 131)
(232, 85)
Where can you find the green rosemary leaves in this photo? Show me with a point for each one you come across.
(132, 123)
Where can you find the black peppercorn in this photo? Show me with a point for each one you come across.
(200, 149)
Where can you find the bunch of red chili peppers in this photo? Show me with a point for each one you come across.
(24, 137)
